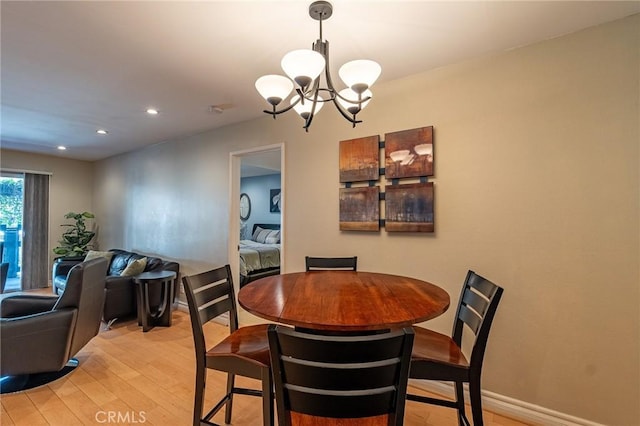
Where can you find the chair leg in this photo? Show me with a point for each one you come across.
(462, 418)
(267, 398)
(110, 323)
(476, 401)
(230, 384)
(198, 401)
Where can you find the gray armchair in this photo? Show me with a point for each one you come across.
(40, 334)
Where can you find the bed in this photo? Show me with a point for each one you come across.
(260, 256)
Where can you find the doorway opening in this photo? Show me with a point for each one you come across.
(256, 234)
(11, 212)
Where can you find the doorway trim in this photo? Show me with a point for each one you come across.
(235, 159)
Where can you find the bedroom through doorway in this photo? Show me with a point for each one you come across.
(259, 193)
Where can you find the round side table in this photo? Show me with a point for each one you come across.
(161, 316)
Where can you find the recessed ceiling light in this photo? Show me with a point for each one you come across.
(152, 111)
(102, 132)
(62, 148)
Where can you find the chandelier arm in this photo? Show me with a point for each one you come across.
(332, 90)
(307, 123)
(320, 89)
(323, 48)
(360, 102)
(275, 112)
(345, 113)
(314, 90)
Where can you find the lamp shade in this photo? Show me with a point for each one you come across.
(353, 96)
(274, 88)
(305, 109)
(360, 74)
(303, 65)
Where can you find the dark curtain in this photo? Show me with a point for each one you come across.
(35, 225)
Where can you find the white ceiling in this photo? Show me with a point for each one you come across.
(260, 163)
(69, 68)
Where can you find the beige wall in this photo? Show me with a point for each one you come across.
(537, 188)
(70, 186)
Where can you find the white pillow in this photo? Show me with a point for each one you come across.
(273, 237)
(257, 231)
(262, 236)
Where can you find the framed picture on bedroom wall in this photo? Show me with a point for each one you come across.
(275, 200)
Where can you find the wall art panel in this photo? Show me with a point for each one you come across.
(409, 207)
(360, 209)
(409, 153)
(360, 159)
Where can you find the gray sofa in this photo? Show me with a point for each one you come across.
(120, 299)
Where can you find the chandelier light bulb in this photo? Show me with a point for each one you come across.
(350, 95)
(304, 110)
(303, 66)
(360, 74)
(274, 88)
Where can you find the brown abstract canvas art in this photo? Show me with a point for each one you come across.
(360, 209)
(409, 207)
(409, 153)
(360, 159)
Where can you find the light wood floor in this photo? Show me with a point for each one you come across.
(130, 377)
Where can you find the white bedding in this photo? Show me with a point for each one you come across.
(255, 256)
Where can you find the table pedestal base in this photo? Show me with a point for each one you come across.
(160, 316)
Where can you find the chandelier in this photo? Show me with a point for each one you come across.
(305, 67)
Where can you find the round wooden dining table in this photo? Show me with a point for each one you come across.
(343, 301)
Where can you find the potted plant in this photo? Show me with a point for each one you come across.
(76, 239)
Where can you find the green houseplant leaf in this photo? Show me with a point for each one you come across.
(76, 239)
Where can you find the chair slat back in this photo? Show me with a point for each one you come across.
(482, 285)
(209, 295)
(323, 263)
(476, 301)
(213, 300)
(340, 376)
(470, 318)
(477, 307)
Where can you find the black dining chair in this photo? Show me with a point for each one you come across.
(436, 356)
(320, 376)
(244, 352)
(324, 263)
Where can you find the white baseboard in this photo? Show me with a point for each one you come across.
(222, 319)
(509, 407)
(182, 306)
